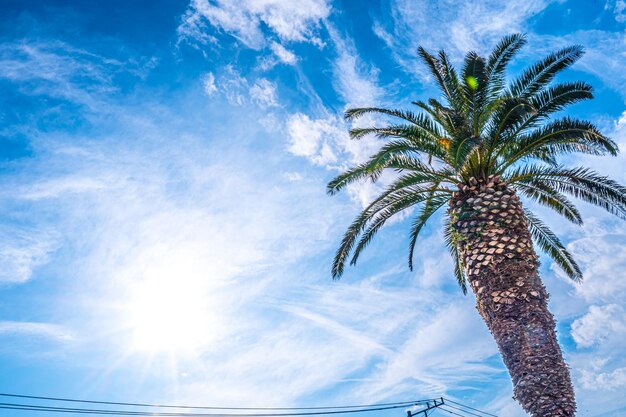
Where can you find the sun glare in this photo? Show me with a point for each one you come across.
(170, 311)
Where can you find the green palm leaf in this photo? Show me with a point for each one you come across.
(539, 75)
(552, 246)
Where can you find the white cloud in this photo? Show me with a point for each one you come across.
(479, 26)
(35, 329)
(619, 10)
(605, 53)
(289, 20)
(613, 380)
(263, 92)
(602, 255)
(354, 80)
(284, 55)
(239, 91)
(73, 184)
(208, 84)
(61, 71)
(460, 26)
(234, 86)
(22, 250)
(324, 141)
(449, 347)
(293, 176)
(598, 324)
(315, 139)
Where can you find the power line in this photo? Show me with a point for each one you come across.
(450, 412)
(467, 406)
(464, 411)
(326, 410)
(30, 407)
(399, 404)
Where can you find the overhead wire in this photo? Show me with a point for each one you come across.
(465, 411)
(129, 404)
(450, 412)
(432, 411)
(298, 411)
(68, 410)
(471, 408)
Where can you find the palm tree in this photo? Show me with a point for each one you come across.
(477, 150)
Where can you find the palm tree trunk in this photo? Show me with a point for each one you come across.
(498, 258)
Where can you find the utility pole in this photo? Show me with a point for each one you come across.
(429, 406)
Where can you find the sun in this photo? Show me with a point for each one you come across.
(167, 317)
(170, 310)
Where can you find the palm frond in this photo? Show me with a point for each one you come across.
(451, 79)
(404, 188)
(456, 256)
(429, 208)
(454, 122)
(552, 246)
(499, 58)
(509, 113)
(558, 137)
(540, 74)
(397, 131)
(401, 202)
(399, 154)
(468, 157)
(557, 97)
(443, 79)
(419, 120)
(474, 87)
(549, 197)
(547, 102)
(385, 200)
(582, 183)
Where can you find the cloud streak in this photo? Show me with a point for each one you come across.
(34, 329)
(289, 21)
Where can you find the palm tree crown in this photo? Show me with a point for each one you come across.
(483, 128)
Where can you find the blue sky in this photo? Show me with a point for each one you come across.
(164, 229)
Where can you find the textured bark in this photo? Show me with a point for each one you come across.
(497, 255)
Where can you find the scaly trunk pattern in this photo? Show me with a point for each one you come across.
(496, 252)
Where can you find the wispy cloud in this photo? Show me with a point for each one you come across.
(290, 21)
(460, 27)
(604, 54)
(437, 356)
(355, 81)
(263, 92)
(316, 140)
(598, 381)
(23, 249)
(35, 329)
(56, 69)
(478, 26)
(324, 139)
(209, 84)
(284, 55)
(240, 90)
(598, 324)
